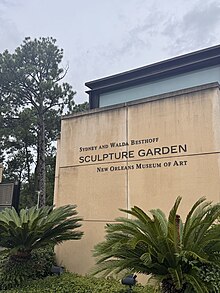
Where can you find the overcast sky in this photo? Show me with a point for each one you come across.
(105, 37)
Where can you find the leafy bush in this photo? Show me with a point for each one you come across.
(14, 273)
(23, 235)
(170, 250)
(72, 283)
(211, 274)
(35, 228)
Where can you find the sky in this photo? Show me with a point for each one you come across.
(105, 37)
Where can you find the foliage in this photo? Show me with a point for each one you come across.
(165, 248)
(13, 274)
(32, 99)
(211, 273)
(19, 137)
(80, 107)
(35, 228)
(31, 82)
(19, 144)
(72, 283)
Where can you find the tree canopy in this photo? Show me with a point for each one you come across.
(33, 96)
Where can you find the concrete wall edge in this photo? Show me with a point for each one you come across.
(145, 100)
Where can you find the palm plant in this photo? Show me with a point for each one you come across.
(165, 248)
(33, 228)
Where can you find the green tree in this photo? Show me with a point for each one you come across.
(18, 143)
(167, 249)
(80, 107)
(31, 78)
(34, 228)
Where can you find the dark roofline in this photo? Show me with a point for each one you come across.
(178, 65)
(191, 90)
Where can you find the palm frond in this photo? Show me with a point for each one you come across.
(169, 249)
(34, 228)
(196, 283)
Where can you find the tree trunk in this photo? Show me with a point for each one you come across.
(42, 167)
(28, 166)
(21, 256)
(169, 287)
(36, 171)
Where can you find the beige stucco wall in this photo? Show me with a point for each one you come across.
(188, 118)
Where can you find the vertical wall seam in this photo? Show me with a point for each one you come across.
(126, 134)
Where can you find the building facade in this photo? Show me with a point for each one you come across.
(151, 135)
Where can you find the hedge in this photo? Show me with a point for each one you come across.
(72, 283)
(13, 274)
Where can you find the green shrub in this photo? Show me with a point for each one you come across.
(165, 247)
(211, 274)
(72, 283)
(14, 273)
(35, 228)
